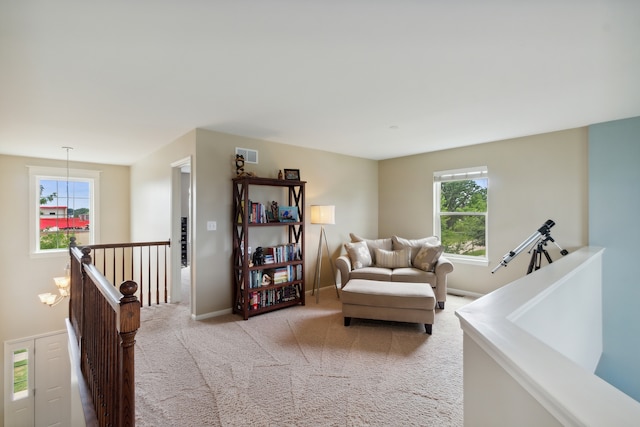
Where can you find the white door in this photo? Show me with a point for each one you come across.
(53, 381)
(37, 381)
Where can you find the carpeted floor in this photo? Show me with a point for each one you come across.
(297, 367)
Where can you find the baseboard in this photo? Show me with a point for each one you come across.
(212, 314)
(461, 293)
(452, 291)
(308, 292)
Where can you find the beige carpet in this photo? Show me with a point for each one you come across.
(297, 367)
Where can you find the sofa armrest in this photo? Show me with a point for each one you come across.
(343, 264)
(442, 268)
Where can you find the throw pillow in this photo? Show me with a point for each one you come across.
(427, 257)
(372, 244)
(413, 244)
(392, 259)
(358, 254)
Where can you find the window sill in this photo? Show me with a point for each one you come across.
(52, 253)
(481, 262)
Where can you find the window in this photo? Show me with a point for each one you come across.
(20, 373)
(460, 215)
(63, 207)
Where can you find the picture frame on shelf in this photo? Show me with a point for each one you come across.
(288, 214)
(292, 174)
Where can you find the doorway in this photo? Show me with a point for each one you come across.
(181, 233)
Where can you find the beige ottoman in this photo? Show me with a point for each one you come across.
(395, 301)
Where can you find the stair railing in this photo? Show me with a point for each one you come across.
(103, 324)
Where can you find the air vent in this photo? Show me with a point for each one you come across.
(250, 156)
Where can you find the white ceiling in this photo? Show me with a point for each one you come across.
(369, 78)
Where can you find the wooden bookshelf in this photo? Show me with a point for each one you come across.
(252, 295)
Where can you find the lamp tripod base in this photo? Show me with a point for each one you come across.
(316, 282)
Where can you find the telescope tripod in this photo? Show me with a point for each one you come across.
(539, 250)
(536, 257)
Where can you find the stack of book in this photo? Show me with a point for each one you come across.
(282, 253)
(271, 297)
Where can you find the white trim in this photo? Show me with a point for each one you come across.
(176, 172)
(211, 314)
(460, 292)
(43, 172)
(35, 337)
(465, 259)
(477, 172)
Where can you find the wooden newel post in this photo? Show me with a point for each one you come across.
(129, 325)
(86, 258)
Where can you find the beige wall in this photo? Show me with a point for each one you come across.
(347, 182)
(24, 277)
(151, 190)
(531, 179)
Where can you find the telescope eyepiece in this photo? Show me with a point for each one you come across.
(546, 226)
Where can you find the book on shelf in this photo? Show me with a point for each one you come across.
(282, 253)
(268, 259)
(258, 213)
(271, 297)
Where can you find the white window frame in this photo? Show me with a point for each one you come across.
(37, 173)
(477, 172)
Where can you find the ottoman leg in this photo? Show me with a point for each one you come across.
(427, 328)
(347, 321)
(441, 305)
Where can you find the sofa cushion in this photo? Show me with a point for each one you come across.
(358, 254)
(427, 256)
(414, 275)
(413, 244)
(417, 296)
(372, 273)
(372, 244)
(392, 259)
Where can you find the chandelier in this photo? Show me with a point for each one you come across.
(62, 283)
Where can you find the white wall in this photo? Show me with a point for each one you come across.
(24, 277)
(531, 179)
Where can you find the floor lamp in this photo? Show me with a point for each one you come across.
(323, 214)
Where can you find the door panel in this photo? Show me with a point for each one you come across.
(45, 400)
(53, 381)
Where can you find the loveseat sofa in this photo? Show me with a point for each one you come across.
(396, 259)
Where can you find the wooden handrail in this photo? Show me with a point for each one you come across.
(104, 320)
(110, 293)
(130, 245)
(139, 262)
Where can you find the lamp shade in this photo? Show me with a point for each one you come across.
(323, 214)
